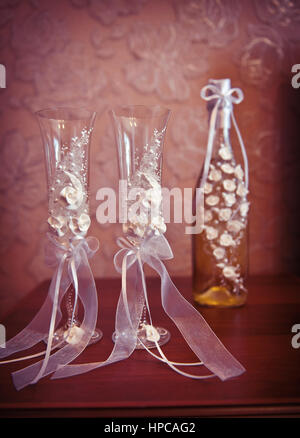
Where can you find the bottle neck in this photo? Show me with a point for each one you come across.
(223, 118)
(221, 138)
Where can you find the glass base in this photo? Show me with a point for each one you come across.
(164, 337)
(64, 336)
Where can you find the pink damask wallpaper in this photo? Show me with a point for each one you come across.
(97, 53)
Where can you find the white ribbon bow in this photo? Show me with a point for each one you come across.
(72, 268)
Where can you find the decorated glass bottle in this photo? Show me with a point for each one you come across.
(220, 249)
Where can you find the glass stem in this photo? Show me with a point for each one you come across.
(143, 320)
(71, 311)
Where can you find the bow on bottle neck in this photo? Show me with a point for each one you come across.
(227, 98)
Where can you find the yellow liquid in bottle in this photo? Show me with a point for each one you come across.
(210, 288)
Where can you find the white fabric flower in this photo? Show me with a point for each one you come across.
(239, 173)
(163, 228)
(227, 168)
(225, 214)
(219, 253)
(212, 200)
(73, 335)
(230, 272)
(211, 233)
(234, 226)
(229, 199)
(142, 218)
(229, 185)
(84, 222)
(207, 216)
(159, 224)
(241, 190)
(225, 153)
(244, 208)
(215, 175)
(80, 225)
(207, 188)
(226, 240)
(58, 224)
(72, 195)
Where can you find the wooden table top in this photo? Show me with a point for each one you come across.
(259, 335)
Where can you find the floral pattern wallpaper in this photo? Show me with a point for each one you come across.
(98, 53)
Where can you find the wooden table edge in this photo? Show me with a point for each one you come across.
(268, 410)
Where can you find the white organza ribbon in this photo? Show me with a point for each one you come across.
(197, 333)
(72, 268)
(227, 99)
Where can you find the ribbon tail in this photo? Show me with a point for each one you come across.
(209, 149)
(243, 149)
(128, 314)
(212, 129)
(52, 322)
(21, 377)
(38, 328)
(195, 330)
(88, 295)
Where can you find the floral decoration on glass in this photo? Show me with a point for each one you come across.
(220, 249)
(66, 134)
